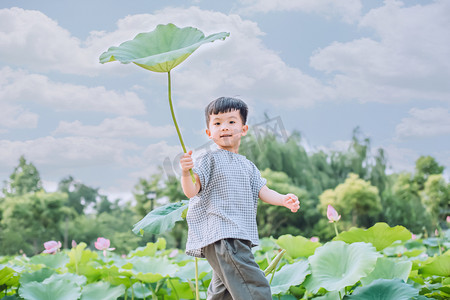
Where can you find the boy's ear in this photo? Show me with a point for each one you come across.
(244, 130)
(208, 133)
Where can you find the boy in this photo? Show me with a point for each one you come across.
(222, 209)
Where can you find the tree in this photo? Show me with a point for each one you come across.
(146, 192)
(80, 195)
(402, 204)
(31, 219)
(426, 166)
(436, 198)
(355, 199)
(24, 179)
(277, 220)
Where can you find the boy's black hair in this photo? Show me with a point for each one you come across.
(224, 105)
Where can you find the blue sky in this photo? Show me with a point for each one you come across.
(323, 67)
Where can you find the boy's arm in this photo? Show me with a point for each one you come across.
(272, 197)
(189, 189)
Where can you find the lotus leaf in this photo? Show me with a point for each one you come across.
(384, 289)
(162, 49)
(8, 277)
(187, 272)
(52, 261)
(439, 266)
(151, 269)
(297, 246)
(336, 265)
(289, 275)
(388, 268)
(53, 290)
(39, 276)
(102, 290)
(161, 219)
(380, 235)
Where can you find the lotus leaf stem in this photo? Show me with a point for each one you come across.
(176, 124)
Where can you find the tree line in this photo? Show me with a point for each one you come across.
(355, 181)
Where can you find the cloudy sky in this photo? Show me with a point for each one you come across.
(322, 67)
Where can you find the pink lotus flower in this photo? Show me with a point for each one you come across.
(448, 219)
(332, 214)
(314, 239)
(413, 236)
(51, 247)
(74, 244)
(173, 253)
(103, 244)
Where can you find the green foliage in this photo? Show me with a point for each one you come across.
(297, 246)
(161, 219)
(79, 194)
(383, 289)
(336, 270)
(24, 179)
(380, 235)
(162, 49)
(337, 265)
(36, 215)
(356, 200)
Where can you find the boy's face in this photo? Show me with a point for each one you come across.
(226, 130)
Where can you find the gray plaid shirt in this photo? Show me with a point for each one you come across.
(226, 205)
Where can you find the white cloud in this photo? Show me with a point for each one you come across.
(408, 61)
(400, 159)
(21, 86)
(433, 121)
(66, 152)
(348, 10)
(12, 116)
(30, 38)
(120, 127)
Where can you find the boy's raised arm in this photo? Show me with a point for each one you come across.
(189, 189)
(272, 197)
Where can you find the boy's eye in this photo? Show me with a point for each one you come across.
(217, 123)
(232, 122)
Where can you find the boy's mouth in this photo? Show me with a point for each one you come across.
(226, 135)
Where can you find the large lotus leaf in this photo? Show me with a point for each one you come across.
(384, 289)
(82, 262)
(336, 265)
(69, 277)
(439, 265)
(187, 272)
(162, 49)
(54, 290)
(289, 275)
(151, 269)
(117, 276)
(334, 295)
(8, 277)
(388, 268)
(140, 291)
(38, 276)
(379, 235)
(161, 219)
(297, 246)
(102, 290)
(181, 290)
(55, 261)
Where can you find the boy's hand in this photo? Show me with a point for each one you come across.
(291, 201)
(186, 162)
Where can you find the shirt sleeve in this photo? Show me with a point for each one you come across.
(203, 169)
(257, 181)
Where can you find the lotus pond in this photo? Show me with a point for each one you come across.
(381, 262)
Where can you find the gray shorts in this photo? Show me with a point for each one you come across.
(236, 275)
